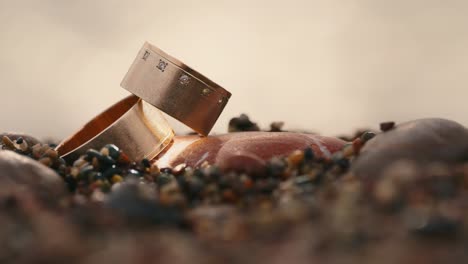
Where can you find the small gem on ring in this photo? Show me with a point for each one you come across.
(184, 79)
(162, 65)
(206, 91)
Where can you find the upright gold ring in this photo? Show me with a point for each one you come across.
(176, 89)
(138, 128)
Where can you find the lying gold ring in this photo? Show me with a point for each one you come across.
(138, 128)
(176, 89)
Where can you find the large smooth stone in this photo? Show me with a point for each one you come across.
(422, 141)
(244, 151)
(18, 171)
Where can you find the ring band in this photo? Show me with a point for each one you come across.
(176, 89)
(138, 128)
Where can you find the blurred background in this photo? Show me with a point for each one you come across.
(322, 65)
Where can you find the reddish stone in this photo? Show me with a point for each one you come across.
(244, 151)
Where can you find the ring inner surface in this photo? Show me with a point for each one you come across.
(97, 125)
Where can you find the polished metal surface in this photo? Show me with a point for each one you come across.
(135, 126)
(176, 89)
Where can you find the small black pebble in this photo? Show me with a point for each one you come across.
(98, 176)
(146, 163)
(164, 179)
(19, 140)
(437, 226)
(368, 135)
(343, 163)
(308, 154)
(386, 126)
(106, 161)
(114, 151)
(242, 123)
(111, 172)
(71, 183)
(92, 153)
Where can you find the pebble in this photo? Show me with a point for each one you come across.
(138, 204)
(276, 167)
(8, 143)
(386, 126)
(368, 135)
(14, 136)
(179, 169)
(22, 144)
(43, 182)
(427, 222)
(170, 194)
(117, 178)
(348, 150)
(295, 158)
(154, 169)
(113, 151)
(51, 154)
(105, 151)
(421, 141)
(242, 123)
(46, 161)
(276, 127)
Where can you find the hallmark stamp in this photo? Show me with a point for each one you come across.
(146, 55)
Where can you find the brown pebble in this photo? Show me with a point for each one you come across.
(14, 136)
(79, 163)
(179, 169)
(386, 126)
(36, 151)
(357, 145)
(229, 196)
(8, 143)
(348, 150)
(74, 171)
(123, 158)
(295, 158)
(170, 194)
(154, 169)
(105, 151)
(51, 153)
(46, 161)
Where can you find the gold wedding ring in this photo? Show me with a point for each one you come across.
(138, 128)
(176, 89)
